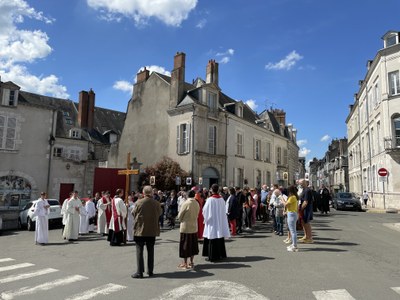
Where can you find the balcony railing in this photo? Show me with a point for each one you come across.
(391, 143)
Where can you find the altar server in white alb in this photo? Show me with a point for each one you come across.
(117, 222)
(90, 215)
(130, 220)
(41, 212)
(71, 230)
(216, 226)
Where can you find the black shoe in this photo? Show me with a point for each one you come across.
(151, 274)
(137, 275)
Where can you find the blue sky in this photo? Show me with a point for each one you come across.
(303, 56)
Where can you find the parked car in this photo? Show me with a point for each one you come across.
(26, 219)
(346, 201)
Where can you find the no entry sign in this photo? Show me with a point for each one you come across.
(382, 172)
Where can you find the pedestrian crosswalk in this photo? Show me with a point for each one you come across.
(23, 275)
(29, 291)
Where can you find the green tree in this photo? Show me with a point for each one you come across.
(165, 172)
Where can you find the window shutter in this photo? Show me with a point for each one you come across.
(254, 148)
(188, 128)
(178, 150)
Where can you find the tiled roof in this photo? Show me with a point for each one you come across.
(67, 116)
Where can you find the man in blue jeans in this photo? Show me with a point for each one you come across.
(306, 212)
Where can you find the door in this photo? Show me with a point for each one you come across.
(65, 189)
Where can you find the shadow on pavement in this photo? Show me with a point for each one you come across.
(321, 249)
(197, 272)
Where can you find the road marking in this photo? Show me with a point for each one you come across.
(396, 289)
(6, 259)
(26, 275)
(101, 290)
(14, 267)
(333, 295)
(215, 289)
(42, 287)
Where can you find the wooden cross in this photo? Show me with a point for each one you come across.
(128, 172)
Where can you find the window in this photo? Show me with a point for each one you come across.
(258, 178)
(212, 139)
(212, 101)
(239, 177)
(268, 181)
(75, 134)
(183, 138)
(11, 100)
(240, 111)
(378, 133)
(239, 144)
(394, 84)
(285, 157)
(8, 126)
(267, 156)
(278, 155)
(396, 126)
(372, 142)
(74, 154)
(68, 121)
(58, 151)
(391, 40)
(257, 149)
(377, 99)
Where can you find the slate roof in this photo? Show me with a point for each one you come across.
(67, 117)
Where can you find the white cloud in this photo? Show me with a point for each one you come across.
(201, 23)
(170, 12)
(126, 86)
(24, 46)
(123, 85)
(252, 104)
(325, 138)
(303, 152)
(301, 142)
(285, 64)
(226, 56)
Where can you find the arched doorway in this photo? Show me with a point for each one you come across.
(210, 176)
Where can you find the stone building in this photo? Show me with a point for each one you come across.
(214, 137)
(373, 127)
(50, 144)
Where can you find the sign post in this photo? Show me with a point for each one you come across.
(382, 172)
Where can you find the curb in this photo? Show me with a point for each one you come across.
(382, 211)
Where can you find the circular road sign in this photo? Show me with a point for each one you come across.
(382, 172)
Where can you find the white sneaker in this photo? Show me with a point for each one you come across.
(292, 249)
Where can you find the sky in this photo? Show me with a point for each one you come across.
(303, 56)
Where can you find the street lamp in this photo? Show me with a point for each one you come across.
(52, 140)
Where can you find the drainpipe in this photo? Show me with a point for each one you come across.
(226, 148)
(192, 150)
(51, 143)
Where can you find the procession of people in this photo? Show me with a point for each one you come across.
(207, 217)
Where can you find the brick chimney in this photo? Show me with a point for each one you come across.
(142, 76)
(86, 109)
(177, 79)
(91, 105)
(280, 116)
(212, 72)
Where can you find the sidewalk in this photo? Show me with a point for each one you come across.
(380, 210)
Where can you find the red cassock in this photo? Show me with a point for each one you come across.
(200, 218)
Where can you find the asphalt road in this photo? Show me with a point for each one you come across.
(356, 255)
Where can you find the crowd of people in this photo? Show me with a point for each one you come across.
(204, 215)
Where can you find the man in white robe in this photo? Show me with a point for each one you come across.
(90, 213)
(101, 215)
(83, 228)
(71, 230)
(130, 220)
(64, 212)
(216, 226)
(117, 222)
(41, 211)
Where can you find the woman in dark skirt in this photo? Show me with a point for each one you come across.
(188, 245)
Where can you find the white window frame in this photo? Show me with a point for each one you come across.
(212, 101)
(75, 154)
(8, 132)
(212, 139)
(394, 83)
(278, 155)
(396, 133)
(267, 155)
(58, 151)
(257, 149)
(183, 138)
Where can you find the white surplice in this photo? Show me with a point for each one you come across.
(101, 217)
(215, 219)
(71, 230)
(42, 221)
(83, 228)
(121, 211)
(90, 213)
(129, 221)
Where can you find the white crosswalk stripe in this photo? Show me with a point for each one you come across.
(6, 259)
(101, 290)
(14, 267)
(27, 275)
(333, 295)
(8, 295)
(396, 289)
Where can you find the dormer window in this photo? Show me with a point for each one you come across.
(10, 97)
(75, 133)
(11, 100)
(212, 101)
(240, 111)
(390, 38)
